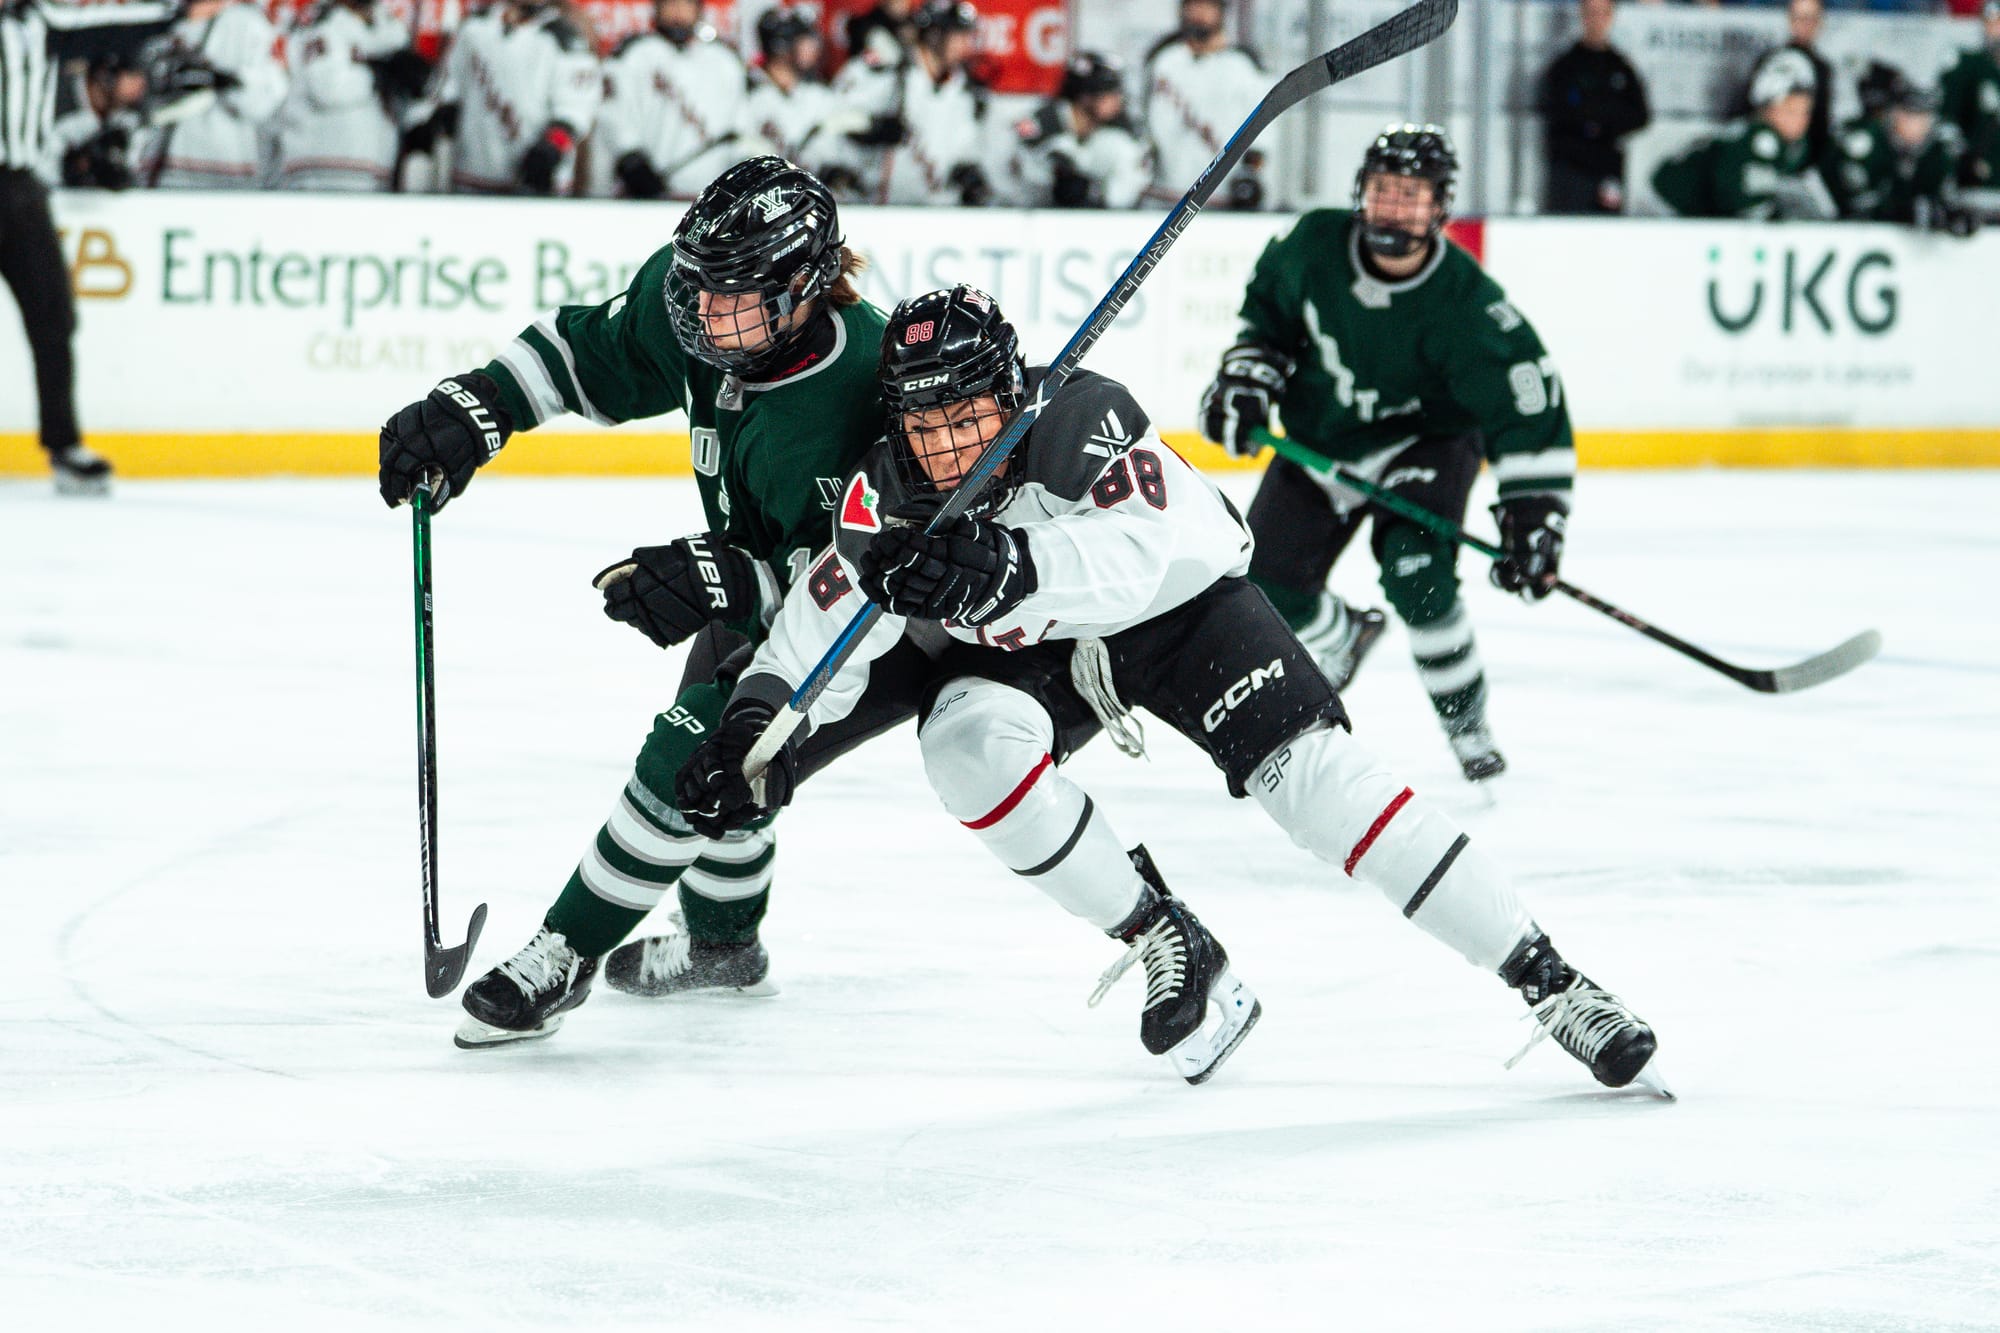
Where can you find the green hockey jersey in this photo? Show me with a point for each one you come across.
(1380, 363)
(769, 458)
(1746, 171)
(1872, 180)
(1969, 97)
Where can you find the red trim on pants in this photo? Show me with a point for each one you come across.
(1002, 810)
(1375, 829)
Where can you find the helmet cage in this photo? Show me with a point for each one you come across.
(764, 227)
(1420, 151)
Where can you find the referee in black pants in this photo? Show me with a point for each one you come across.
(35, 38)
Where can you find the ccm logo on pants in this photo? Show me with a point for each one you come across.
(1233, 697)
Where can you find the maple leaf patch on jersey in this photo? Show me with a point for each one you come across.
(859, 508)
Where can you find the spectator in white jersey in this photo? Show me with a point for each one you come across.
(520, 88)
(336, 131)
(230, 48)
(1199, 87)
(1079, 150)
(675, 100)
(926, 141)
(97, 143)
(789, 102)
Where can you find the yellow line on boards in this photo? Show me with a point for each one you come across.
(665, 453)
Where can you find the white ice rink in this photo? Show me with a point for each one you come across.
(226, 1104)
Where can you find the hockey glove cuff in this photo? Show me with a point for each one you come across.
(971, 573)
(1240, 400)
(441, 438)
(714, 796)
(639, 178)
(671, 593)
(1531, 539)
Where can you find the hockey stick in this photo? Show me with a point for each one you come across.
(1782, 680)
(442, 967)
(1414, 27)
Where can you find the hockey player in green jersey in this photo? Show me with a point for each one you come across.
(1897, 162)
(748, 323)
(1969, 97)
(1761, 167)
(1392, 352)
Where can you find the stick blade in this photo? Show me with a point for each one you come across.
(1819, 670)
(445, 968)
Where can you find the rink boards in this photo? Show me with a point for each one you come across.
(226, 335)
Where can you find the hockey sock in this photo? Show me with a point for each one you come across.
(987, 752)
(635, 858)
(724, 893)
(1338, 803)
(1449, 666)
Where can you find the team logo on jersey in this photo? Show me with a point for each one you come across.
(829, 491)
(858, 508)
(1110, 438)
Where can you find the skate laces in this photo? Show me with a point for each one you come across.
(1090, 672)
(1164, 951)
(665, 956)
(1582, 1019)
(539, 965)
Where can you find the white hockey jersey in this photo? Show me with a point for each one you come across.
(1193, 103)
(793, 124)
(510, 84)
(333, 132)
(947, 129)
(220, 148)
(1120, 529)
(681, 106)
(1112, 158)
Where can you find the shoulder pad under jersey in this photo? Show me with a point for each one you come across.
(1091, 421)
(870, 493)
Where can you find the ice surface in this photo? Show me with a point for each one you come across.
(225, 1102)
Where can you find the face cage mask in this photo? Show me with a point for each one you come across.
(691, 330)
(1394, 242)
(912, 451)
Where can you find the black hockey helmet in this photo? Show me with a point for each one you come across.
(764, 226)
(778, 30)
(937, 19)
(943, 348)
(1089, 74)
(1422, 151)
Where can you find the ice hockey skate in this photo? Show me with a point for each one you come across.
(676, 964)
(1187, 973)
(526, 997)
(80, 470)
(1478, 757)
(1339, 637)
(1586, 1020)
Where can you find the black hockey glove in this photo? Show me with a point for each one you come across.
(401, 76)
(971, 573)
(882, 131)
(1071, 187)
(714, 796)
(441, 438)
(1531, 535)
(422, 138)
(639, 178)
(1239, 400)
(974, 190)
(671, 593)
(539, 163)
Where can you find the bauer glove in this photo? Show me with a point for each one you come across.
(671, 593)
(1239, 400)
(711, 791)
(1531, 539)
(441, 438)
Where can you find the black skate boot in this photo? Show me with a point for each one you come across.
(1186, 971)
(1586, 1020)
(80, 470)
(1478, 758)
(675, 964)
(1339, 637)
(526, 996)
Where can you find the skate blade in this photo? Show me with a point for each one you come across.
(90, 486)
(760, 989)
(1649, 1080)
(1234, 1009)
(473, 1035)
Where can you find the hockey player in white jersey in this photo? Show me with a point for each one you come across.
(1079, 150)
(1098, 574)
(790, 106)
(520, 89)
(335, 132)
(1198, 89)
(220, 148)
(927, 140)
(673, 115)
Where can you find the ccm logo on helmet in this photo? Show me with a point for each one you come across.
(919, 333)
(926, 381)
(1233, 697)
(475, 409)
